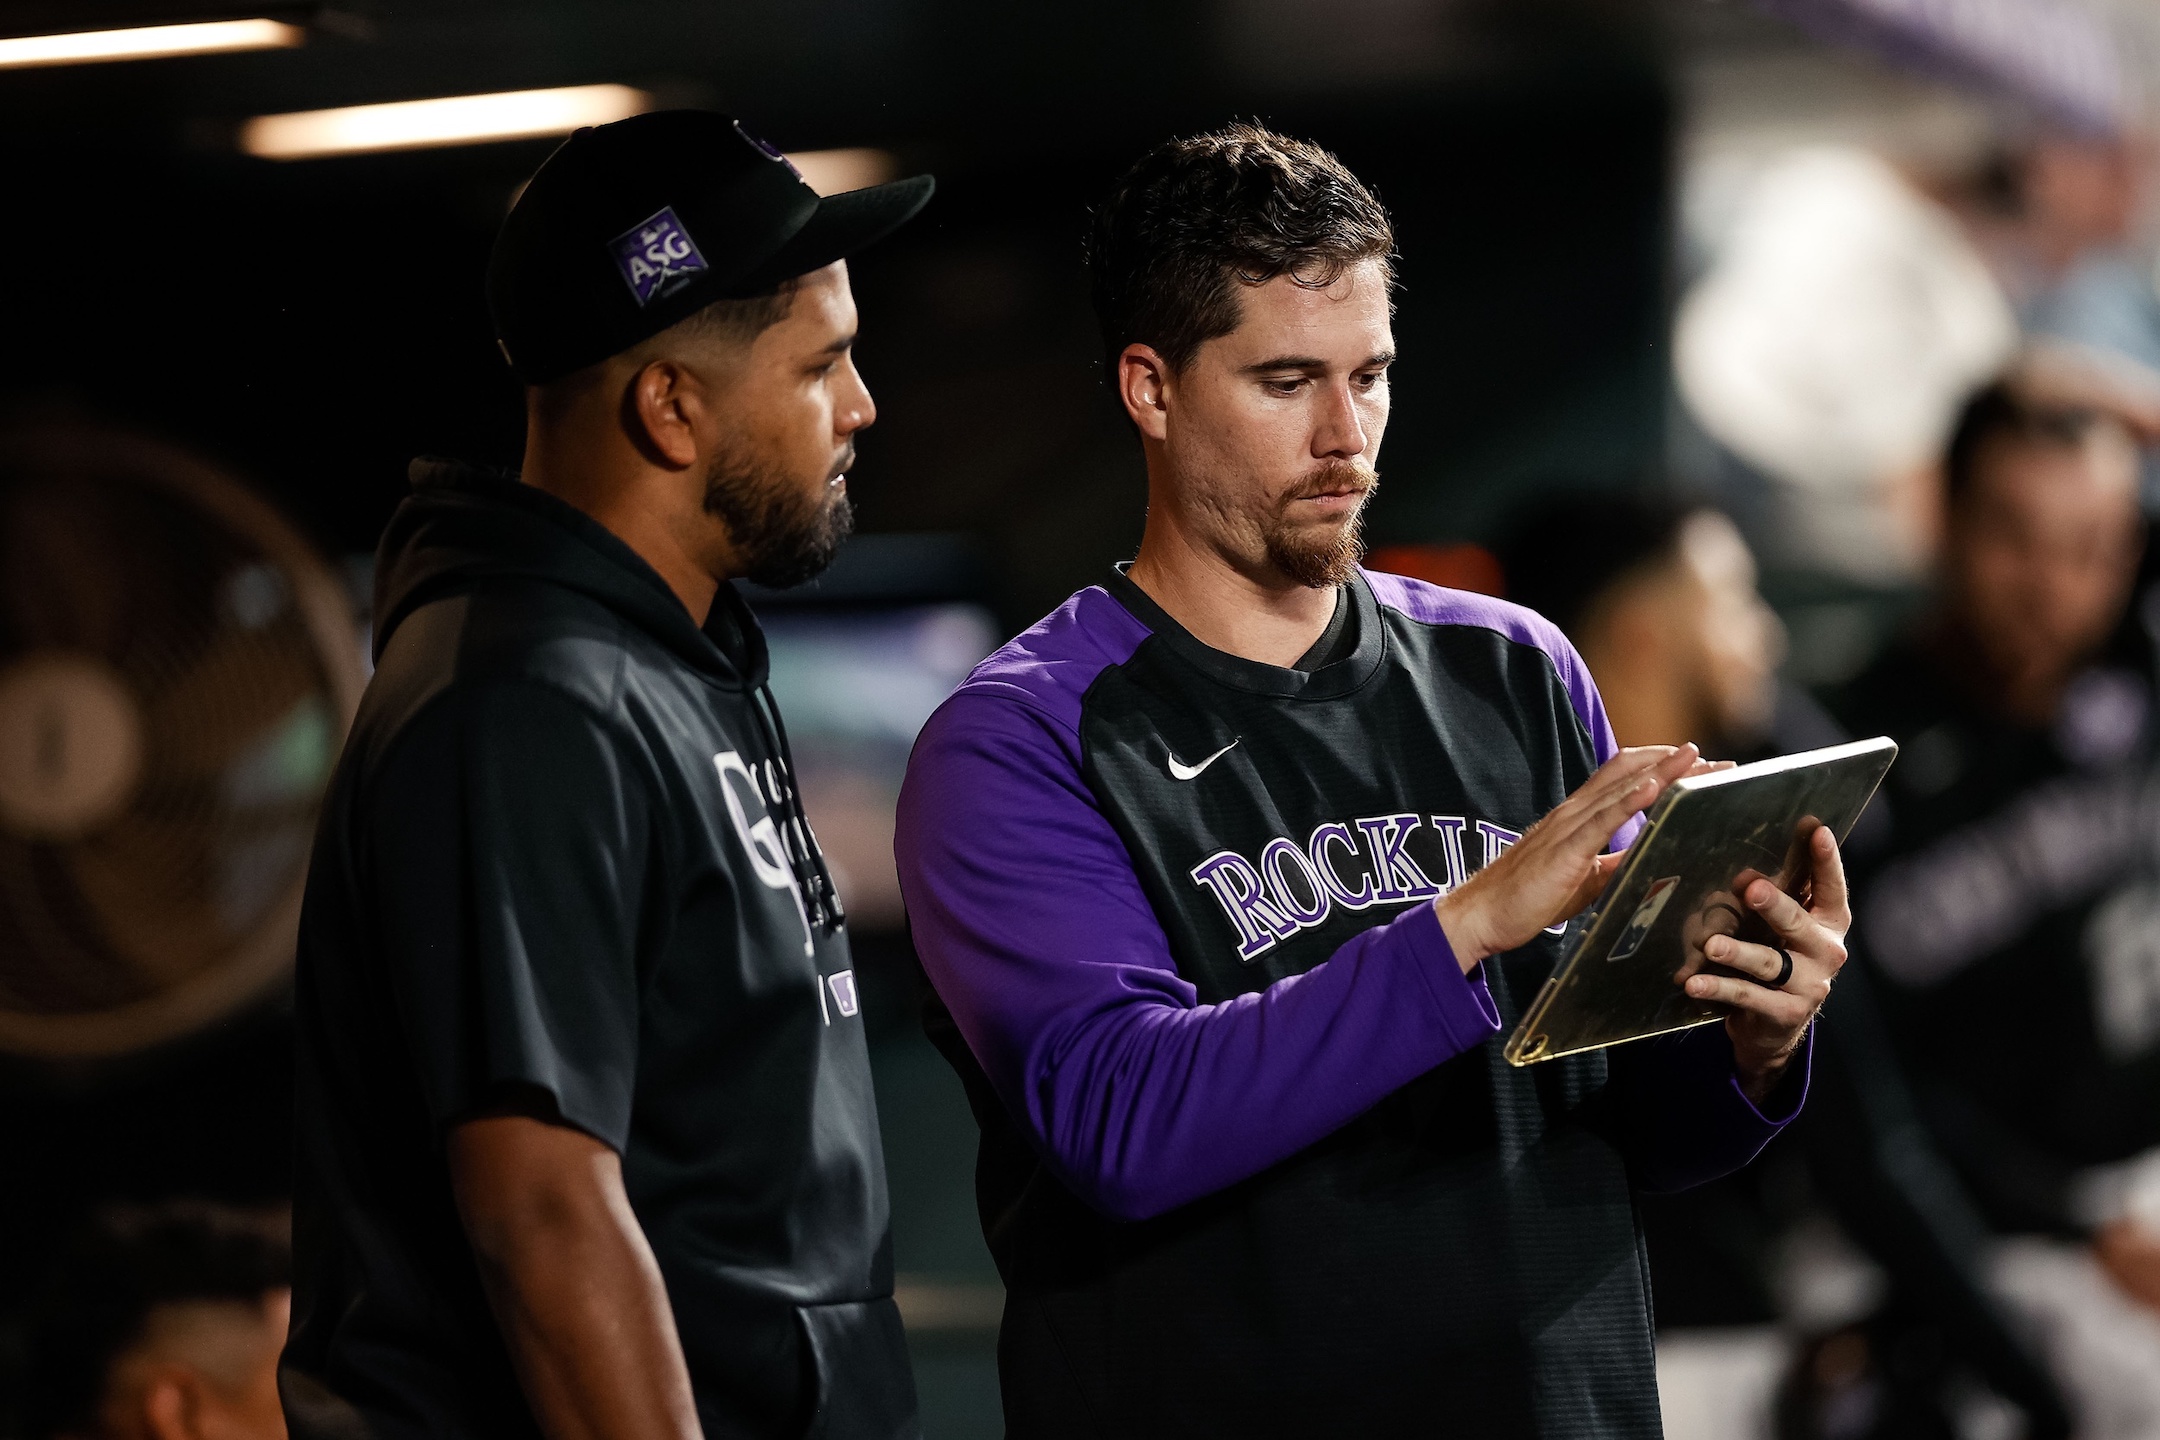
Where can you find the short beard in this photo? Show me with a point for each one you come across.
(1328, 559)
(782, 534)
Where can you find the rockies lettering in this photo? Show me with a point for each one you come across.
(1356, 864)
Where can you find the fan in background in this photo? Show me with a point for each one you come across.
(177, 670)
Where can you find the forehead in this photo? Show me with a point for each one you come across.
(820, 316)
(823, 299)
(2096, 473)
(1283, 316)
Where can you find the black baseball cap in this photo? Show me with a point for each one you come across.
(631, 227)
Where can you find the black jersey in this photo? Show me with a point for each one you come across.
(1252, 1163)
(559, 866)
(2011, 924)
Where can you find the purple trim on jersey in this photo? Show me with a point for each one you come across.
(1430, 604)
(1035, 930)
(1050, 665)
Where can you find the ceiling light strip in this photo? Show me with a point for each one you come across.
(451, 120)
(147, 42)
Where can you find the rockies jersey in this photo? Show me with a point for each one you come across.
(1252, 1163)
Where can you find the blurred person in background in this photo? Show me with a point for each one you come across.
(2057, 217)
(1659, 597)
(1659, 594)
(161, 1323)
(1853, 301)
(587, 1139)
(2015, 912)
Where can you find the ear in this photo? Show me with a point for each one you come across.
(172, 1399)
(663, 409)
(1143, 382)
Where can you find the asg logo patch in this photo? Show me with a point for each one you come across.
(658, 257)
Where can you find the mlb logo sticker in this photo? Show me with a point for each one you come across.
(843, 991)
(1645, 916)
(657, 257)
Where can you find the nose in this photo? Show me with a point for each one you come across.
(1338, 429)
(855, 410)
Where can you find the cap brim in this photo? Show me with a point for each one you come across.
(841, 225)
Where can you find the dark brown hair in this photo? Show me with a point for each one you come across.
(1563, 554)
(724, 324)
(1200, 215)
(1999, 412)
(102, 1288)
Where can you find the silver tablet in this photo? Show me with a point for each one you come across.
(1705, 840)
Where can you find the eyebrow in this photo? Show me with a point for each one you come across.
(839, 347)
(1287, 362)
(1313, 362)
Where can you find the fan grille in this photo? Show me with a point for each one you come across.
(176, 672)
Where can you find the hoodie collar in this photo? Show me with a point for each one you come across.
(464, 525)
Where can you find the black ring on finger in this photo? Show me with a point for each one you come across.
(1784, 971)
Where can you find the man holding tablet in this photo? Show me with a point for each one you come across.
(1231, 871)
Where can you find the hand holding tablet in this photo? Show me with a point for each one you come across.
(1727, 907)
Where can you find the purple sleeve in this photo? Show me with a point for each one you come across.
(1034, 929)
(1677, 1113)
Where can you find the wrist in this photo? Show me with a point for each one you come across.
(1458, 923)
(1757, 1084)
(1759, 1071)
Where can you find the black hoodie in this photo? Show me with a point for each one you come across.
(561, 866)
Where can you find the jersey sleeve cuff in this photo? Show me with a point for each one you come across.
(1463, 1007)
(1784, 1102)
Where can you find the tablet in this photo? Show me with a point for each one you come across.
(1704, 841)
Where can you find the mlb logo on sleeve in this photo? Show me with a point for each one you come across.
(657, 257)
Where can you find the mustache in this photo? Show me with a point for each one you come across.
(1335, 477)
(845, 463)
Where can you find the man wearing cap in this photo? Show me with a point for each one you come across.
(587, 1145)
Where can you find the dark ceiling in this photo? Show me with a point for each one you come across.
(315, 323)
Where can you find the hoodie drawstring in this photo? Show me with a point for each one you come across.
(821, 901)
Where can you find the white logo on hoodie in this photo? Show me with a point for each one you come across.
(768, 857)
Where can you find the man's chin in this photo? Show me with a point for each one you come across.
(1317, 556)
(808, 554)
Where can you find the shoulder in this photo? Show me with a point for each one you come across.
(484, 677)
(1047, 668)
(1437, 606)
(512, 638)
(1013, 726)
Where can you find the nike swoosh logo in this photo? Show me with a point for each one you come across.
(1179, 770)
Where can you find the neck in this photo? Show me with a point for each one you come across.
(616, 489)
(1271, 620)
(2027, 694)
(1642, 700)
